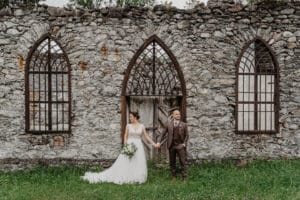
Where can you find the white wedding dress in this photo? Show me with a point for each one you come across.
(125, 169)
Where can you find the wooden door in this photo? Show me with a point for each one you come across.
(154, 114)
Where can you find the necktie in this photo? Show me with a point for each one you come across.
(176, 123)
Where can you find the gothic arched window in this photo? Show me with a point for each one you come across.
(47, 88)
(154, 77)
(257, 89)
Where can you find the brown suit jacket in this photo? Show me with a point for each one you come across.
(167, 134)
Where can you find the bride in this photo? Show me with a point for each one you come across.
(125, 169)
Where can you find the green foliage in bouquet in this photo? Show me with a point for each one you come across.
(129, 149)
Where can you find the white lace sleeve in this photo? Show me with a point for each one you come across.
(143, 127)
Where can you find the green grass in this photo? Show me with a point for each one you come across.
(277, 179)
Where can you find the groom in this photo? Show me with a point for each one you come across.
(176, 135)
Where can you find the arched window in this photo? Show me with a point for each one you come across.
(153, 74)
(257, 89)
(154, 82)
(47, 88)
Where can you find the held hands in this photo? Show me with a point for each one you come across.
(157, 145)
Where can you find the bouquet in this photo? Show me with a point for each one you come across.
(129, 149)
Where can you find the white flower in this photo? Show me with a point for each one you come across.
(129, 149)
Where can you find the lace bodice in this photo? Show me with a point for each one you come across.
(135, 132)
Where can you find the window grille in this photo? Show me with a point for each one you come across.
(47, 88)
(257, 89)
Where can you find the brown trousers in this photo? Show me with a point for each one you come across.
(182, 157)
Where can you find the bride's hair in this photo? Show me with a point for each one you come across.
(135, 114)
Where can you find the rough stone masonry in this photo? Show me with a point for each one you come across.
(206, 41)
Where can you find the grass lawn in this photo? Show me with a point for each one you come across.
(277, 179)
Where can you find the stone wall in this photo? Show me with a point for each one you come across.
(206, 41)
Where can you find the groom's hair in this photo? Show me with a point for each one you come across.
(135, 114)
(172, 110)
(176, 110)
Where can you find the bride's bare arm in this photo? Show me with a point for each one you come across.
(148, 138)
(126, 135)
